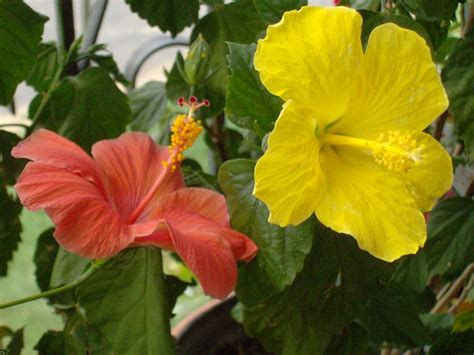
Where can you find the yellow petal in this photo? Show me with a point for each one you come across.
(288, 178)
(398, 88)
(432, 174)
(371, 204)
(312, 56)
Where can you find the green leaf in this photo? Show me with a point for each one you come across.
(46, 67)
(337, 280)
(454, 343)
(81, 337)
(272, 10)
(16, 343)
(282, 251)
(412, 271)
(195, 177)
(148, 104)
(99, 55)
(372, 19)
(438, 325)
(45, 255)
(52, 342)
(464, 321)
(235, 22)
(87, 108)
(248, 101)
(458, 79)
(450, 245)
(20, 33)
(67, 268)
(353, 340)
(10, 228)
(393, 316)
(432, 10)
(171, 16)
(122, 301)
(9, 166)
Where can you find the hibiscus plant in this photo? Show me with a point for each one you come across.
(315, 163)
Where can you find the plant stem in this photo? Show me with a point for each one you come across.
(93, 268)
(454, 289)
(46, 96)
(165, 339)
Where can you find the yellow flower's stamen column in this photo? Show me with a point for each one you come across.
(394, 150)
(184, 132)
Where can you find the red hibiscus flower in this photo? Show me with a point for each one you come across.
(126, 196)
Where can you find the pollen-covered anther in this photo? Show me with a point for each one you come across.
(185, 130)
(396, 151)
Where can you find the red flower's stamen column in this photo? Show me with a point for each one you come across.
(185, 130)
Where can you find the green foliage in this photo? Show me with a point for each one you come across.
(47, 64)
(171, 16)
(393, 316)
(9, 166)
(10, 228)
(458, 79)
(20, 33)
(148, 104)
(372, 19)
(432, 10)
(86, 108)
(454, 343)
(52, 342)
(282, 251)
(127, 285)
(464, 321)
(248, 103)
(450, 246)
(16, 343)
(272, 10)
(195, 177)
(45, 254)
(337, 280)
(236, 22)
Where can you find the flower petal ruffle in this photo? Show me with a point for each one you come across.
(197, 229)
(398, 87)
(432, 175)
(288, 178)
(85, 223)
(312, 56)
(47, 147)
(371, 204)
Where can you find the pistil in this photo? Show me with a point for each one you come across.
(185, 130)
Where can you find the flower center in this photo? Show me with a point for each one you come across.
(184, 131)
(393, 150)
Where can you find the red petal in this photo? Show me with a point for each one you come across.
(203, 202)
(47, 147)
(197, 220)
(85, 223)
(203, 249)
(131, 164)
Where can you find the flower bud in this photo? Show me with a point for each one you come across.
(196, 64)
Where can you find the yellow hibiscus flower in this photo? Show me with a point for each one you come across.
(348, 144)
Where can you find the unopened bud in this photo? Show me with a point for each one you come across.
(196, 64)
